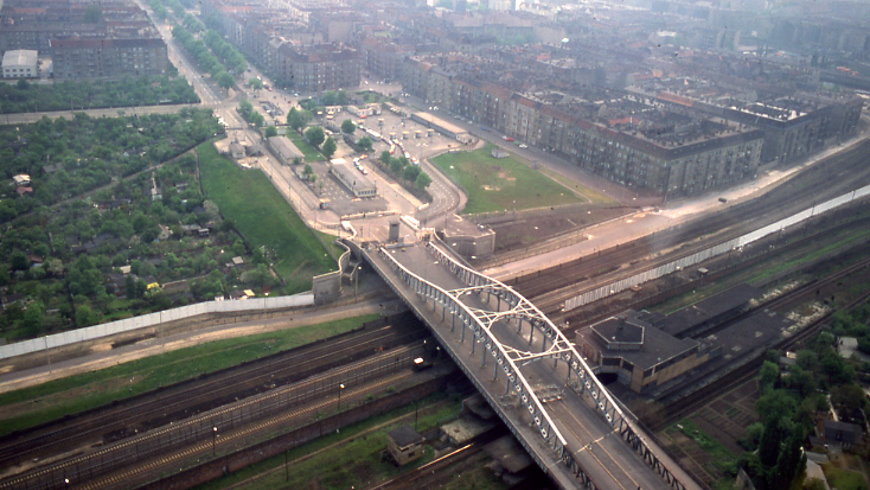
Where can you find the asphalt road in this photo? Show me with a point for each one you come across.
(610, 462)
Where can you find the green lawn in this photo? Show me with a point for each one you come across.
(81, 392)
(311, 153)
(265, 219)
(724, 461)
(501, 184)
(844, 479)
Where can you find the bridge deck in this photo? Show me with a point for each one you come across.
(605, 458)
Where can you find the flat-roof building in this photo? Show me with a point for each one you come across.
(642, 356)
(108, 58)
(20, 63)
(358, 184)
(286, 151)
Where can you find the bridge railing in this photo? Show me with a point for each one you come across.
(603, 401)
(502, 361)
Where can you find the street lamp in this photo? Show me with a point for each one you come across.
(214, 432)
(340, 389)
(356, 280)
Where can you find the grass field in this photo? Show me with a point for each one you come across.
(311, 154)
(263, 217)
(501, 184)
(49, 401)
(844, 479)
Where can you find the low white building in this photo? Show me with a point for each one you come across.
(20, 63)
(355, 181)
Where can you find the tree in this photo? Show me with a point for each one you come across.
(19, 261)
(298, 118)
(329, 147)
(85, 315)
(423, 181)
(271, 131)
(385, 157)
(34, 318)
(768, 375)
(365, 144)
(255, 83)
(849, 397)
(224, 79)
(410, 173)
(134, 288)
(348, 127)
(751, 436)
(396, 166)
(314, 135)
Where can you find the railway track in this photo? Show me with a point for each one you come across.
(175, 440)
(238, 437)
(137, 415)
(548, 287)
(675, 407)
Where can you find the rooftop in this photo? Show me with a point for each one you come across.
(693, 315)
(405, 436)
(19, 57)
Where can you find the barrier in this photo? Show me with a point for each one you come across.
(698, 257)
(152, 319)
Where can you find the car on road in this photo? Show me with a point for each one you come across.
(507, 138)
(523, 146)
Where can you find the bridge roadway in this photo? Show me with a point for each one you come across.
(557, 423)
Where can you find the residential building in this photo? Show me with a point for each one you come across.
(108, 58)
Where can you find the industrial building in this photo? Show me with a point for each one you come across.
(641, 355)
(20, 63)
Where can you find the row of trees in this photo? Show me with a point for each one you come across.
(69, 95)
(247, 111)
(202, 56)
(402, 169)
(231, 58)
(315, 136)
(177, 6)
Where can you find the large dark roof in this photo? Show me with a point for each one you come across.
(702, 311)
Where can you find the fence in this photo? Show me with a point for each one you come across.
(152, 319)
(725, 247)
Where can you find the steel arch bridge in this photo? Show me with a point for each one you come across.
(499, 307)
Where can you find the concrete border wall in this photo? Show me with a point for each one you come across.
(151, 320)
(722, 248)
